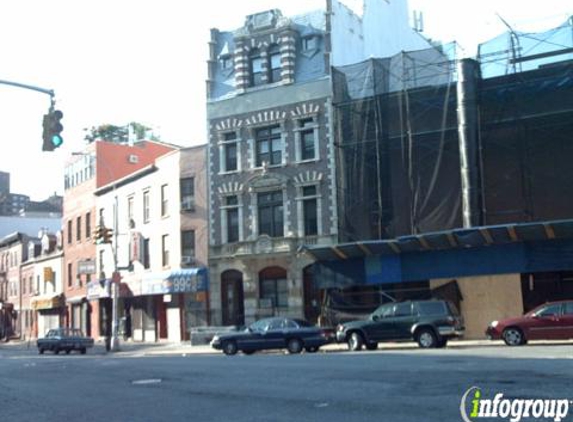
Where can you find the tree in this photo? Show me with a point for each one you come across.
(119, 134)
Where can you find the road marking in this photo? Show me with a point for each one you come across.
(146, 381)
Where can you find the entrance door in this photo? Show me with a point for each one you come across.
(232, 298)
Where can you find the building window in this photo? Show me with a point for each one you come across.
(187, 187)
(273, 287)
(309, 210)
(255, 68)
(165, 250)
(226, 62)
(232, 218)
(230, 148)
(270, 207)
(307, 140)
(275, 63)
(269, 148)
(188, 245)
(146, 206)
(164, 201)
(88, 225)
(146, 261)
(309, 43)
(70, 276)
(130, 210)
(69, 232)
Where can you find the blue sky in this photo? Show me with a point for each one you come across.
(115, 61)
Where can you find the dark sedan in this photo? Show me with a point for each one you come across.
(65, 339)
(274, 333)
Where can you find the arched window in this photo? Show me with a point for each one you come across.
(255, 67)
(273, 286)
(274, 63)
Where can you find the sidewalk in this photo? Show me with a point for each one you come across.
(136, 349)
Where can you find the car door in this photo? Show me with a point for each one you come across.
(403, 318)
(273, 336)
(567, 320)
(544, 323)
(380, 327)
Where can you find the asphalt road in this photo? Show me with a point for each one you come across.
(385, 385)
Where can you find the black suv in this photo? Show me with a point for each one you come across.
(429, 322)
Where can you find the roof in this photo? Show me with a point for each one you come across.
(448, 239)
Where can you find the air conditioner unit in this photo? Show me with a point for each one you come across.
(188, 204)
(187, 261)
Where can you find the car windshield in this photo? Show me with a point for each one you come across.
(549, 310)
(260, 325)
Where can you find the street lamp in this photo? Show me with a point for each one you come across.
(116, 277)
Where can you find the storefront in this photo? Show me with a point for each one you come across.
(49, 312)
(167, 304)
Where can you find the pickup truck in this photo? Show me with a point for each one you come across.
(65, 339)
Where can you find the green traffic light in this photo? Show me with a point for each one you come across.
(57, 140)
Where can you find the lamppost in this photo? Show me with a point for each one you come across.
(116, 277)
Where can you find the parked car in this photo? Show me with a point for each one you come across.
(551, 321)
(66, 340)
(429, 322)
(274, 333)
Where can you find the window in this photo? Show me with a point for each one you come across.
(309, 43)
(165, 250)
(306, 139)
(232, 216)
(130, 210)
(146, 206)
(230, 148)
(188, 244)
(273, 286)
(568, 308)
(270, 207)
(255, 68)
(275, 63)
(309, 210)
(164, 200)
(88, 225)
(548, 311)
(70, 275)
(269, 148)
(226, 62)
(187, 187)
(403, 309)
(69, 231)
(146, 261)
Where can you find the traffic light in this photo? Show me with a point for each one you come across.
(107, 233)
(98, 234)
(52, 129)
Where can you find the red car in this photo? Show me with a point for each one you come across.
(551, 321)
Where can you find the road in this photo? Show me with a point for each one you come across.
(385, 385)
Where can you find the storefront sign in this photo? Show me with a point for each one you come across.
(183, 281)
(49, 302)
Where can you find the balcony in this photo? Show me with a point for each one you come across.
(268, 246)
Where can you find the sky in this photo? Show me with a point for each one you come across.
(117, 61)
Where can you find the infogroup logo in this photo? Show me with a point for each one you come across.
(474, 406)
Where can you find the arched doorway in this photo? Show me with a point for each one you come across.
(232, 303)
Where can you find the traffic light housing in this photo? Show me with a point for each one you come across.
(107, 234)
(98, 234)
(52, 130)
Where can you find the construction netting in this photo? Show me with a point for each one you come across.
(420, 149)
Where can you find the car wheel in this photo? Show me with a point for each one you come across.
(41, 350)
(513, 336)
(371, 346)
(355, 342)
(83, 350)
(230, 348)
(427, 338)
(312, 349)
(294, 346)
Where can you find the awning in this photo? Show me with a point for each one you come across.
(47, 302)
(76, 300)
(190, 280)
(448, 239)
